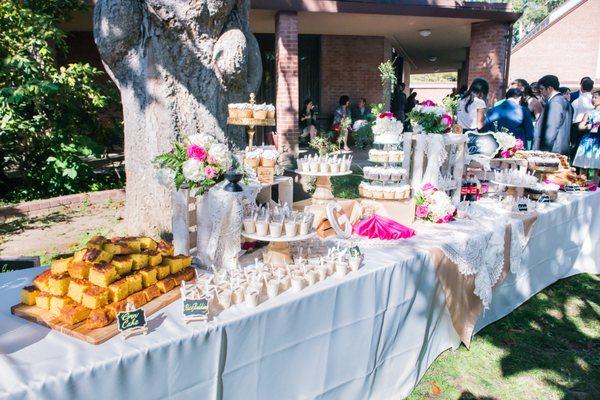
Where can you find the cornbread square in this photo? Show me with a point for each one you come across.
(147, 243)
(97, 256)
(58, 285)
(77, 287)
(154, 257)
(163, 271)
(165, 248)
(123, 264)
(28, 295)
(78, 255)
(41, 281)
(79, 269)
(60, 265)
(98, 318)
(118, 290)
(148, 276)
(114, 308)
(177, 263)
(116, 248)
(133, 243)
(135, 282)
(166, 284)
(151, 292)
(138, 299)
(139, 261)
(103, 274)
(57, 303)
(42, 300)
(73, 313)
(95, 297)
(186, 274)
(96, 242)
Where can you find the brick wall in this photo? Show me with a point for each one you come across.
(349, 67)
(569, 48)
(488, 55)
(286, 67)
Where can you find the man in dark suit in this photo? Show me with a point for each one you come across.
(553, 128)
(400, 103)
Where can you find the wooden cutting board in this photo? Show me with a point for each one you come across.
(80, 331)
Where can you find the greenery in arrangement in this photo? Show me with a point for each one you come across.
(323, 144)
(387, 72)
(548, 348)
(363, 137)
(451, 104)
(51, 117)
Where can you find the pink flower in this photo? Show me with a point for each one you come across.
(448, 218)
(519, 145)
(386, 114)
(428, 186)
(196, 152)
(209, 172)
(428, 103)
(447, 120)
(422, 211)
(212, 159)
(505, 154)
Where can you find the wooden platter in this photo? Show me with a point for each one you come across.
(80, 330)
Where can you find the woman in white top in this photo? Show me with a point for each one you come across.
(472, 106)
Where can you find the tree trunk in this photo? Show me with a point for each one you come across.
(177, 65)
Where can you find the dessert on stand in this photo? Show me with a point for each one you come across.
(323, 168)
(251, 115)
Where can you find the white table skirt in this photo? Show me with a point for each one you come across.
(371, 335)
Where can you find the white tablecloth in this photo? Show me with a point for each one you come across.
(371, 335)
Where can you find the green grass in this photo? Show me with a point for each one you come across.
(346, 187)
(549, 348)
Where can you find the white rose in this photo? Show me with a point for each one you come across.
(202, 140)
(222, 154)
(193, 170)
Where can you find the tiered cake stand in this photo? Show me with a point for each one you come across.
(251, 123)
(278, 250)
(323, 193)
(398, 164)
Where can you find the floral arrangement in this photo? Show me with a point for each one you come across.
(198, 163)
(431, 118)
(434, 205)
(509, 144)
(386, 123)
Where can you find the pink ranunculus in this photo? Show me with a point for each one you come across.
(505, 153)
(519, 145)
(428, 186)
(447, 120)
(196, 152)
(428, 103)
(386, 114)
(210, 172)
(448, 218)
(422, 211)
(212, 159)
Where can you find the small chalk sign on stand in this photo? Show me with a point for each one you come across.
(522, 206)
(544, 199)
(194, 305)
(131, 321)
(572, 188)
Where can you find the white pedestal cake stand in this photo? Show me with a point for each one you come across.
(323, 193)
(278, 250)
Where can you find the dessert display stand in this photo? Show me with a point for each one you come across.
(323, 193)
(278, 250)
(251, 123)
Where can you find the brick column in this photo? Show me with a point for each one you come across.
(488, 56)
(286, 65)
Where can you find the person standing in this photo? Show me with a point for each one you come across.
(582, 103)
(552, 131)
(588, 151)
(308, 121)
(511, 115)
(575, 95)
(472, 105)
(342, 112)
(400, 103)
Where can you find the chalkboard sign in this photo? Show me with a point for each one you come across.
(572, 188)
(483, 144)
(195, 308)
(544, 199)
(131, 320)
(522, 206)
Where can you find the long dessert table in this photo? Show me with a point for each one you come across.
(370, 335)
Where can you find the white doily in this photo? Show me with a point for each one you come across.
(219, 222)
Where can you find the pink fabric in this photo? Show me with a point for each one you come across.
(378, 227)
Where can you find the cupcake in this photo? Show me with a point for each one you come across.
(245, 110)
(270, 111)
(371, 173)
(233, 110)
(383, 156)
(259, 111)
(377, 192)
(395, 156)
(397, 174)
(252, 158)
(268, 158)
(401, 192)
(388, 192)
(384, 174)
(367, 189)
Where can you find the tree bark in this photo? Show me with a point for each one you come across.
(177, 65)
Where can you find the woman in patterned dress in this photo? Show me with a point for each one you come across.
(588, 152)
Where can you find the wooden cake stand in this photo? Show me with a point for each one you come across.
(278, 250)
